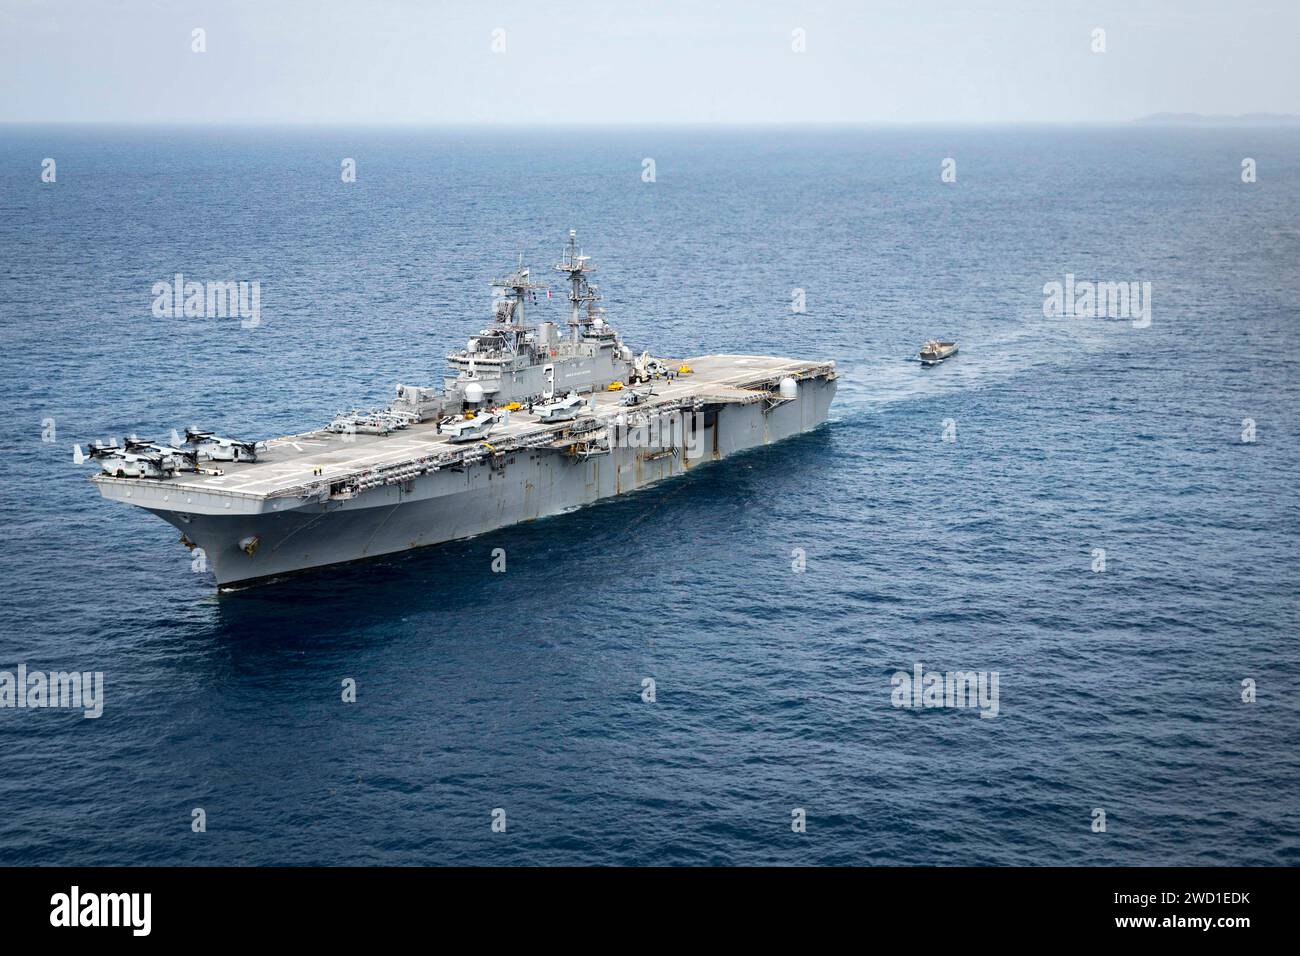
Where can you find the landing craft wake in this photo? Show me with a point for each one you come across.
(529, 423)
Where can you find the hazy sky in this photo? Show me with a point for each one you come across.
(404, 61)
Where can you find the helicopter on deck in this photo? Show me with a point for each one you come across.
(216, 448)
(470, 429)
(560, 410)
(137, 458)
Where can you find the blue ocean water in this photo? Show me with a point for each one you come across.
(1119, 690)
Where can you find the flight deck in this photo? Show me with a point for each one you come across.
(304, 464)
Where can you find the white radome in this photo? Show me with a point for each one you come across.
(789, 388)
(474, 393)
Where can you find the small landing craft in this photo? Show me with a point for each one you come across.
(933, 352)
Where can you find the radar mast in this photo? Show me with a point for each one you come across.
(576, 266)
(509, 310)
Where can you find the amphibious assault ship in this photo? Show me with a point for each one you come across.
(530, 422)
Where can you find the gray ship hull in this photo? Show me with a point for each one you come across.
(457, 503)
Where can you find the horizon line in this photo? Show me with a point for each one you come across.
(1156, 119)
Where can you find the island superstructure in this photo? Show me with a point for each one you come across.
(530, 422)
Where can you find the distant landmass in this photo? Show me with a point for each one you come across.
(1222, 119)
